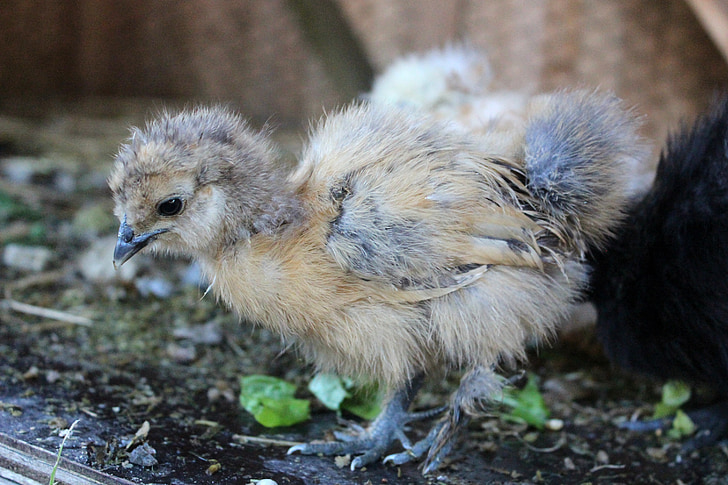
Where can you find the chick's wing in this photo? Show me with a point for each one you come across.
(428, 226)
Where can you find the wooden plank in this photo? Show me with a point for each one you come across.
(24, 464)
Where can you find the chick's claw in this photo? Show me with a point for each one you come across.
(372, 443)
(415, 452)
(371, 449)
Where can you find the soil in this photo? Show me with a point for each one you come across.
(165, 354)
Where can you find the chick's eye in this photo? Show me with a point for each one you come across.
(170, 207)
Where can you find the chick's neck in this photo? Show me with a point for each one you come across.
(265, 210)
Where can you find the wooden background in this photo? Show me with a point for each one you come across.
(288, 59)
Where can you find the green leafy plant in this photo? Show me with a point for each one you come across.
(271, 401)
(674, 395)
(682, 426)
(339, 393)
(526, 404)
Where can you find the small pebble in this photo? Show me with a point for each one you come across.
(221, 390)
(342, 461)
(158, 287)
(554, 424)
(27, 258)
(65, 182)
(602, 457)
(267, 481)
(20, 170)
(31, 373)
(143, 456)
(208, 334)
(181, 354)
(52, 376)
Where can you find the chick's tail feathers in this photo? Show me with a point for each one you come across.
(581, 150)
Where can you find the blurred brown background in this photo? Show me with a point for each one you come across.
(288, 59)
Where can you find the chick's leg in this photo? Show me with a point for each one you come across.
(437, 443)
(476, 388)
(373, 442)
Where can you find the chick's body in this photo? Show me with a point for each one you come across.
(398, 246)
(411, 254)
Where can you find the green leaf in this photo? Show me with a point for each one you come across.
(527, 404)
(282, 412)
(339, 393)
(662, 410)
(329, 389)
(674, 395)
(365, 403)
(682, 426)
(271, 401)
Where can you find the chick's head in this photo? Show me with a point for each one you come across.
(189, 182)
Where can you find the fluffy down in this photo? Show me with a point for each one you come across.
(660, 287)
(401, 245)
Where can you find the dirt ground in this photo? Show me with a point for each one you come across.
(116, 351)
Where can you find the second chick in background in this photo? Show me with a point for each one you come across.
(399, 248)
(456, 83)
(453, 83)
(660, 287)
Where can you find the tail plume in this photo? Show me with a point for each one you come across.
(581, 148)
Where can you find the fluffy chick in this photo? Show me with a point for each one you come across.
(660, 287)
(454, 82)
(400, 246)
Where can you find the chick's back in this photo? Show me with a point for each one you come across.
(457, 261)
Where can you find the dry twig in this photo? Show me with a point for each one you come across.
(263, 441)
(47, 313)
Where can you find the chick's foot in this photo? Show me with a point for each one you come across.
(372, 443)
(711, 423)
(476, 391)
(437, 443)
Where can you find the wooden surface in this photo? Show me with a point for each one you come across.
(22, 463)
(259, 56)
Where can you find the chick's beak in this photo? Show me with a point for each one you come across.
(128, 244)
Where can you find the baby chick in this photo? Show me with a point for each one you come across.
(454, 82)
(399, 247)
(660, 288)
